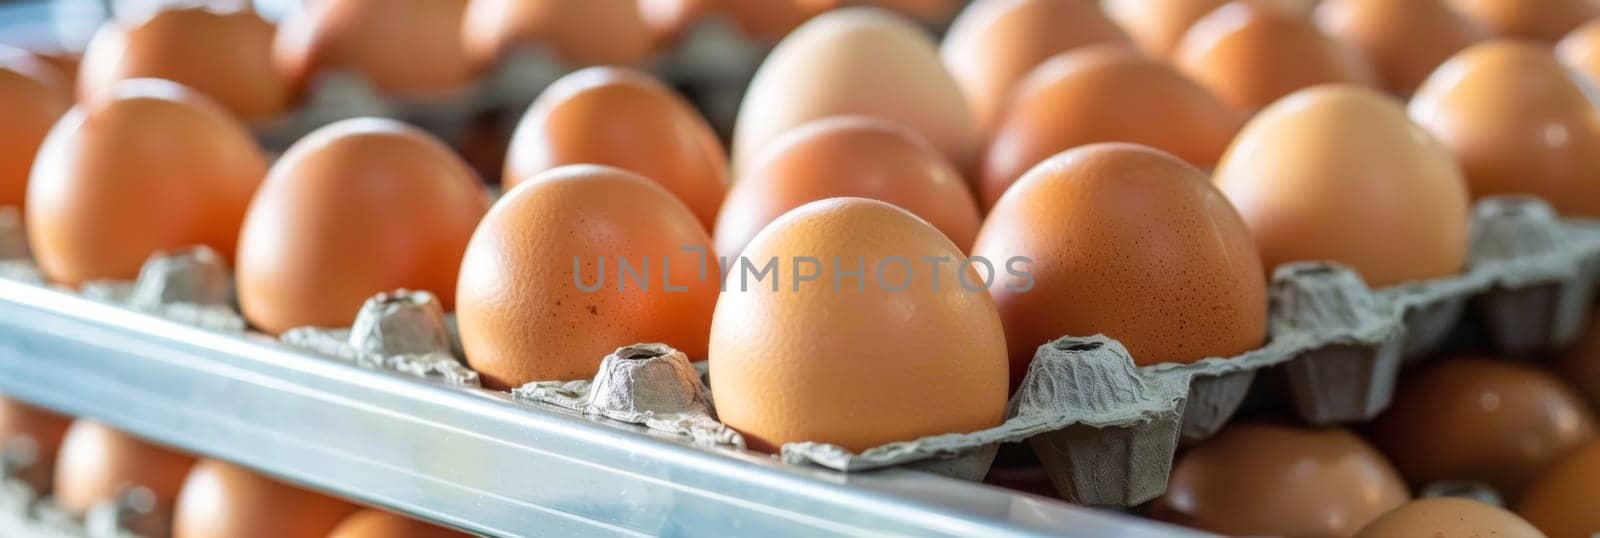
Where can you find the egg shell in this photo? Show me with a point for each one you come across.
(146, 166)
(768, 21)
(1267, 479)
(1128, 242)
(1321, 173)
(1104, 94)
(1561, 502)
(1445, 516)
(1545, 20)
(407, 49)
(627, 119)
(355, 208)
(993, 44)
(929, 11)
(848, 156)
(1483, 420)
(862, 61)
(1404, 41)
(33, 95)
(44, 429)
(220, 500)
(669, 20)
(1252, 53)
(526, 316)
(1157, 26)
(899, 352)
(1580, 51)
(225, 55)
(380, 524)
(590, 32)
(1518, 122)
(97, 463)
(1580, 364)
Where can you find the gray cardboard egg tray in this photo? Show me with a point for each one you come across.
(25, 512)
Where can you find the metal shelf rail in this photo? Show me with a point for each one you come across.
(473, 459)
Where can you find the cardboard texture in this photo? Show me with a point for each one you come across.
(403, 331)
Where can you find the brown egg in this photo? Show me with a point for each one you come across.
(380, 524)
(627, 119)
(892, 352)
(1268, 479)
(39, 429)
(355, 208)
(855, 61)
(64, 60)
(931, 11)
(1561, 502)
(1403, 40)
(1128, 242)
(1546, 20)
(1580, 51)
(1518, 122)
(410, 49)
(1104, 94)
(1322, 172)
(669, 20)
(97, 464)
(545, 293)
(1444, 516)
(225, 55)
(1580, 365)
(1481, 420)
(1250, 54)
(771, 20)
(33, 95)
(590, 32)
(848, 156)
(1157, 26)
(993, 44)
(145, 166)
(220, 500)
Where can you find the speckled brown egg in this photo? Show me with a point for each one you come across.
(1251, 53)
(590, 32)
(545, 294)
(407, 49)
(1545, 20)
(1518, 122)
(221, 500)
(97, 464)
(1479, 419)
(848, 156)
(861, 61)
(627, 119)
(1444, 516)
(226, 55)
(33, 95)
(1268, 479)
(1561, 502)
(1128, 242)
(380, 524)
(994, 43)
(1403, 40)
(40, 430)
(145, 166)
(906, 348)
(1104, 94)
(356, 208)
(1322, 172)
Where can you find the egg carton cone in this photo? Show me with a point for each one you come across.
(401, 331)
(1476, 491)
(191, 286)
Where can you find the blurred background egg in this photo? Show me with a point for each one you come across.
(356, 208)
(1250, 53)
(1580, 364)
(848, 156)
(1561, 502)
(1445, 516)
(1158, 25)
(669, 20)
(1580, 51)
(584, 33)
(98, 464)
(145, 166)
(855, 61)
(1484, 420)
(898, 352)
(1267, 479)
(769, 20)
(1104, 94)
(1128, 242)
(33, 95)
(1519, 123)
(928, 11)
(226, 55)
(543, 295)
(994, 43)
(1321, 173)
(36, 433)
(627, 119)
(380, 524)
(407, 49)
(1545, 20)
(1403, 40)
(220, 500)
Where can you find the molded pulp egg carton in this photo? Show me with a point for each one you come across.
(25, 512)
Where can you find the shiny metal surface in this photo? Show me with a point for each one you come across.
(468, 458)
